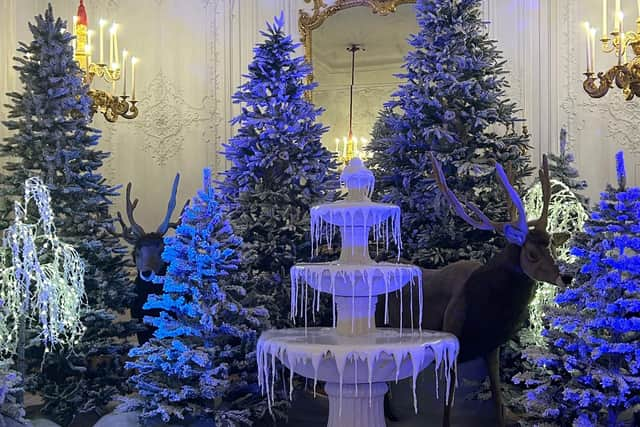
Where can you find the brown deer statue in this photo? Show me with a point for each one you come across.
(147, 255)
(484, 305)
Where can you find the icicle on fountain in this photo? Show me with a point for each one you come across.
(354, 358)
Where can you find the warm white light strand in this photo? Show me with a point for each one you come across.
(566, 215)
(41, 279)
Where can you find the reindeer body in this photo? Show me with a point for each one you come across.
(484, 305)
(500, 299)
(147, 255)
(491, 306)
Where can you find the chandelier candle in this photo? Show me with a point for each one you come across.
(604, 18)
(124, 72)
(102, 23)
(589, 52)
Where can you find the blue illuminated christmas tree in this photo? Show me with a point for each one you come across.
(201, 361)
(279, 170)
(451, 102)
(593, 354)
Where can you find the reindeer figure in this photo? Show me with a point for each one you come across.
(484, 305)
(147, 255)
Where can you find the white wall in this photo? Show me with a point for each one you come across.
(193, 53)
(544, 43)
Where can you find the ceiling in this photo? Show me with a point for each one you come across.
(383, 37)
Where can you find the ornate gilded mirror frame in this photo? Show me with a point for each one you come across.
(309, 22)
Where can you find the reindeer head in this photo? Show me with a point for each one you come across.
(536, 259)
(147, 247)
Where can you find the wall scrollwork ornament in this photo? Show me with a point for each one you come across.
(307, 22)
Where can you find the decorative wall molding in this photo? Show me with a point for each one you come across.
(167, 115)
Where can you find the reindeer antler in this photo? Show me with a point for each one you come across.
(545, 183)
(482, 222)
(134, 231)
(175, 224)
(162, 229)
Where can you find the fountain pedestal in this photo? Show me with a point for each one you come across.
(358, 409)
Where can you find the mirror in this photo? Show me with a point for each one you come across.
(381, 28)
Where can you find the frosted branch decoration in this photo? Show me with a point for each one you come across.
(566, 215)
(42, 278)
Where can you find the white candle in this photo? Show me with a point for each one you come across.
(102, 23)
(112, 33)
(588, 32)
(115, 43)
(73, 31)
(617, 16)
(134, 60)
(638, 8)
(338, 145)
(604, 18)
(89, 47)
(344, 147)
(621, 39)
(593, 49)
(124, 72)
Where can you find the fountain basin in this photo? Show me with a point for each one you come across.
(378, 357)
(356, 280)
(356, 220)
(354, 213)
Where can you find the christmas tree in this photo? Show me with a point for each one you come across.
(592, 358)
(201, 361)
(51, 139)
(561, 167)
(452, 102)
(279, 170)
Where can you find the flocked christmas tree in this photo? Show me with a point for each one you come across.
(51, 139)
(590, 369)
(561, 168)
(452, 102)
(279, 170)
(201, 361)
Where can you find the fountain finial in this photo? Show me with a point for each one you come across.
(358, 180)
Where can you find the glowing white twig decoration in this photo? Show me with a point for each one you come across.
(41, 278)
(566, 215)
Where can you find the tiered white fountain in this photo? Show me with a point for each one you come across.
(354, 358)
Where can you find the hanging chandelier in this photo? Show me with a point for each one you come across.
(347, 148)
(109, 70)
(625, 74)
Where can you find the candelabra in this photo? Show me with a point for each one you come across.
(625, 74)
(109, 104)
